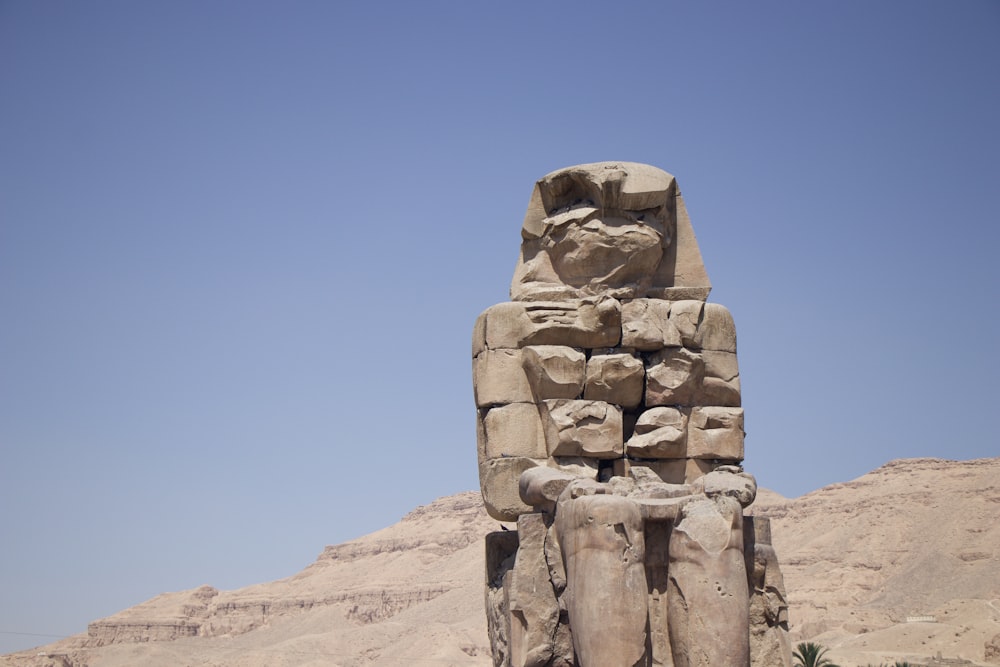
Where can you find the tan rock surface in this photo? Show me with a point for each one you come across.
(408, 594)
(917, 537)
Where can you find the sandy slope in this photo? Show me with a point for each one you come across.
(918, 537)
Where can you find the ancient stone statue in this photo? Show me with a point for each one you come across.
(610, 430)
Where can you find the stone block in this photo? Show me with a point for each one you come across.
(506, 324)
(583, 323)
(646, 325)
(480, 436)
(685, 316)
(479, 335)
(615, 378)
(660, 433)
(514, 430)
(671, 471)
(578, 466)
(590, 429)
(498, 378)
(722, 379)
(554, 371)
(697, 468)
(498, 480)
(720, 364)
(716, 331)
(673, 377)
(715, 433)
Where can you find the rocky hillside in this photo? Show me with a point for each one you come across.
(408, 594)
(916, 539)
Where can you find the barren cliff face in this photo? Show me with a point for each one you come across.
(914, 539)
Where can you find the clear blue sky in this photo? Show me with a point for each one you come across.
(242, 246)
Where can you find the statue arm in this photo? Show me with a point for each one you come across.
(541, 487)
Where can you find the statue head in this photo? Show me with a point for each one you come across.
(606, 228)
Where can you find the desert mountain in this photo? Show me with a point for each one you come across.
(901, 563)
(916, 538)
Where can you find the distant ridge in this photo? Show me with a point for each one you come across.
(914, 538)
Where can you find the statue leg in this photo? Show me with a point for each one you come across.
(603, 548)
(534, 609)
(708, 599)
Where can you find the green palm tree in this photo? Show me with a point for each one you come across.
(811, 655)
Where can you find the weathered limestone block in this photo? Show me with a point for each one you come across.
(715, 433)
(682, 376)
(616, 378)
(583, 428)
(498, 479)
(707, 582)
(696, 469)
(685, 316)
(722, 379)
(513, 430)
(660, 433)
(498, 378)
(674, 376)
(479, 335)
(582, 467)
(603, 547)
(672, 471)
(554, 371)
(716, 330)
(533, 605)
(646, 325)
(585, 323)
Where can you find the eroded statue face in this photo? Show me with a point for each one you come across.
(598, 227)
(588, 246)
